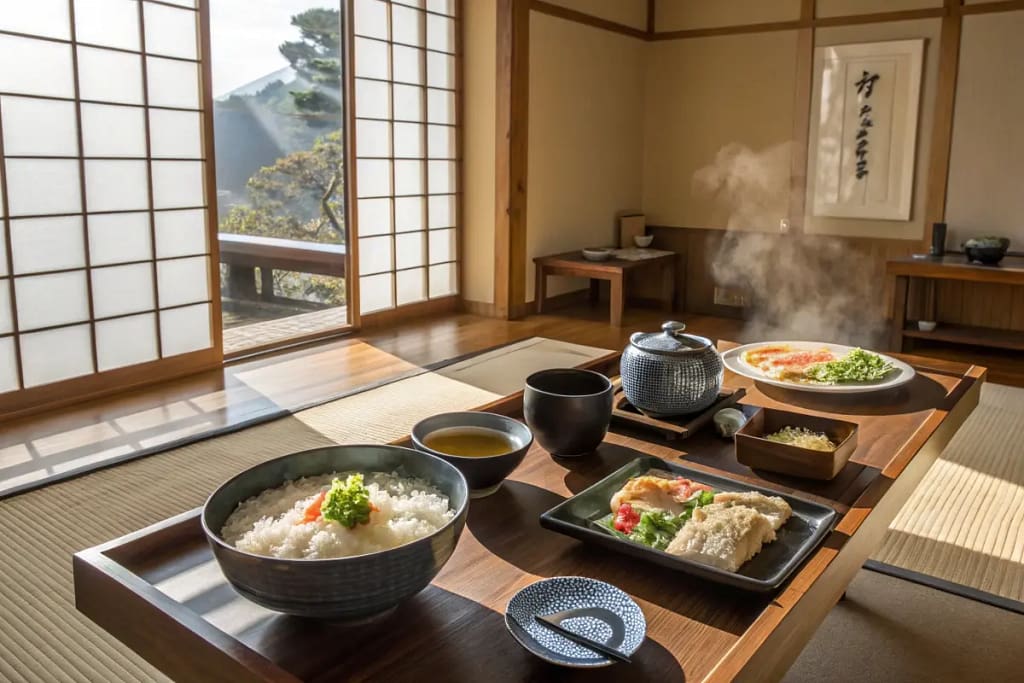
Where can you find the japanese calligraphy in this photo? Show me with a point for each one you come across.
(865, 87)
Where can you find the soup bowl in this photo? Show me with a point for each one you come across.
(484, 474)
(345, 588)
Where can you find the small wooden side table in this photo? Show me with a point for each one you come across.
(614, 270)
(1010, 272)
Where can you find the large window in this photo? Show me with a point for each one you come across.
(104, 256)
(405, 92)
(279, 127)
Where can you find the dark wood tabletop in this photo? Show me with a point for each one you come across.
(574, 259)
(956, 267)
(160, 591)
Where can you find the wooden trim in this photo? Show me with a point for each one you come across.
(392, 316)
(210, 179)
(5, 223)
(288, 344)
(460, 111)
(986, 7)
(802, 93)
(511, 156)
(728, 30)
(587, 19)
(351, 181)
(482, 308)
(206, 116)
(822, 22)
(66, 392)
(83, 197)
(881, 17)
(489, 310)
(652, 22)
(942, 127)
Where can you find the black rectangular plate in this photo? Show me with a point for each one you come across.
(769, 569)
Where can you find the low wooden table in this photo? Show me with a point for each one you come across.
(1010, 271)
(160, 592)
(614, 270)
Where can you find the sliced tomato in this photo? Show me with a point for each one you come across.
(626, 518)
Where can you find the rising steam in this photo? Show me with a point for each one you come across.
(800, 286)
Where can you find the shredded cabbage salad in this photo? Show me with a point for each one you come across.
(856, 366)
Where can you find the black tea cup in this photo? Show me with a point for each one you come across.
(568, 410)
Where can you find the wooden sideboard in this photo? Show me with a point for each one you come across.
(1010, 272)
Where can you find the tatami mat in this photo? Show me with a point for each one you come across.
(891, 631)
(504, 370)
(965, 522)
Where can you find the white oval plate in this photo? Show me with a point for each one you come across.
(733, 359)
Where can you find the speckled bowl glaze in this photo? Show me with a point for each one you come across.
(345, 588)
(617, 622)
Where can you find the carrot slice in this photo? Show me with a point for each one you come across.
(312, 512)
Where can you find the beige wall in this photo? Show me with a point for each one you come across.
(835, 8)
(986, 177)
(679, 15)
(478, 171)
(585, 137)
(896, 30)
(629, 12)
(718, 117)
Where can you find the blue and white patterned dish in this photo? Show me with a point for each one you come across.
(621, 624)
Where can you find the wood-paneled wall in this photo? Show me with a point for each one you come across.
(970, 304)
(697, 249)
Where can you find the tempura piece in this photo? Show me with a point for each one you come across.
(724, 537)
(774, 508)
(656, 493)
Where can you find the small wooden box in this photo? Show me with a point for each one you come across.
(754, 451)
(629, 227)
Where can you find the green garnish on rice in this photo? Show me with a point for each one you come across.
(347, 502)
(856, 366)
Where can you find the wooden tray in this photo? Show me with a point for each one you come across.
(671, 428)
(160, 592)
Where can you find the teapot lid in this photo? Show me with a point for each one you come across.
(671, 341)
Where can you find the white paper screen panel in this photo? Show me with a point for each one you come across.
(104, 236)
(407, 172)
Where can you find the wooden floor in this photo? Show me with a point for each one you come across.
(36, 448)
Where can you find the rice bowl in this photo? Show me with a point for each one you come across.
(352, 587)
(272, 523)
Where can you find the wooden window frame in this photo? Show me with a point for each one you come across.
(25, 400)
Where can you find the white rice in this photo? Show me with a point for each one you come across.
(267, 524)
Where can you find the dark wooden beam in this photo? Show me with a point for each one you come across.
(802, 92)
(512, 127)
(942, 125)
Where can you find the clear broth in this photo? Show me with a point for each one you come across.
(470, 442)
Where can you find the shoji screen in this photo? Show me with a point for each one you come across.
(405, 95)
(105, 254)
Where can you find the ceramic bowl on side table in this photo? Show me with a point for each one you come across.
(597, 253)
(643, 241)
(483, 473)
(757, 452)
